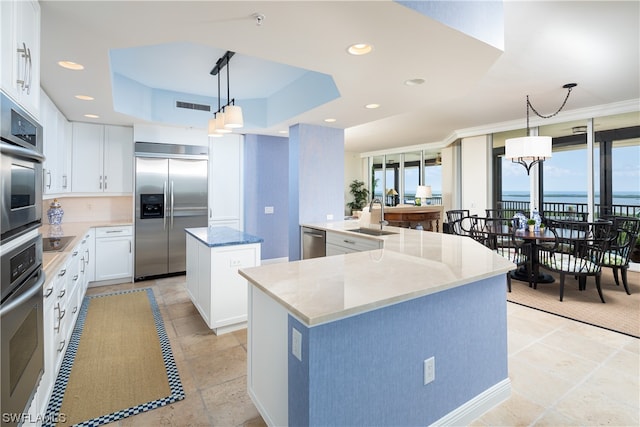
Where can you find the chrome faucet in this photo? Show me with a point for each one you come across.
(382, 221)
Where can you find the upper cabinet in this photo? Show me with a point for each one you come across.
(57, 148)
(20, 42)
(102, 159)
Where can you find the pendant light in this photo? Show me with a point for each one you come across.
(230, 116)
(530, 150)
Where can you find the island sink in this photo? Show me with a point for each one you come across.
(371, 231)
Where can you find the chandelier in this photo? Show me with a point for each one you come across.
(530, 150)
(229, 116)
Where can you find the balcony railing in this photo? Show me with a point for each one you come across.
(580, 208)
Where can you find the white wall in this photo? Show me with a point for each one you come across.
(476, 174)
(355, 167)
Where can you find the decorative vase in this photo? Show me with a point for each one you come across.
(532, 228)
(55, 213)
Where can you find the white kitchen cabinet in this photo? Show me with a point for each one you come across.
(114, 255)
(102, 159)
(225, 182)
(55, 173)
(342, 243)
(88, 264)
(20, 42)
(214, 285)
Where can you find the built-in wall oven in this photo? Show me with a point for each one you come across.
(20, 170)
(21, 324)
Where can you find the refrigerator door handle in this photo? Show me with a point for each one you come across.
(164, 195)
(172, 204)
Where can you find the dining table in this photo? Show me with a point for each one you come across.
(534, 239)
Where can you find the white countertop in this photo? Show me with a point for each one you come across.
(412, 264)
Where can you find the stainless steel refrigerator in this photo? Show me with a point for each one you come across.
(171, 195)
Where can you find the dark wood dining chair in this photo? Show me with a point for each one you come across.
(578, 250)
(454, 219)
(624, 233)
(498, 234)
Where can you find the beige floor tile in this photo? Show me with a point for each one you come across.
(586, 347)
(228, 404)
(593, 408)
(181, 309)
(190, 325)
(624, 389)
(537, 384)
(205, 344)
(557, 362)
(213, 369)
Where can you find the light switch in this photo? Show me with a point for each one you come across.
(268, 209)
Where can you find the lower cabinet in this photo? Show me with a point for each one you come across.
(342, 243)
(114, 253)
(214, 285)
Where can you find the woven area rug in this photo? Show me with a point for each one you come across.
(620, 313)
(118, 363)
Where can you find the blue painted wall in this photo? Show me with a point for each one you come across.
(483, 20)
(266, 183)
(368, 369)
(316, 178)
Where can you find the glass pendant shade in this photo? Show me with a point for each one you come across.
(233, 117)
(220, 120)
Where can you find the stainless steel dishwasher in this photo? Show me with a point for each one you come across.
(313, 243)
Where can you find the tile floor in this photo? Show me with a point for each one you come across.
(562, 372)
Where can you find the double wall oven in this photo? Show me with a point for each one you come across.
(22, 277)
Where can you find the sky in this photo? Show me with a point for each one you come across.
(567, 171)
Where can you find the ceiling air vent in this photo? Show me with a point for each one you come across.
(192, 106)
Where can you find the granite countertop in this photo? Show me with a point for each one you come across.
(412, 264)
(52, 261)
(222, 236)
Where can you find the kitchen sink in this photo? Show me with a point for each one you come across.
(371, 231)
(54, 244)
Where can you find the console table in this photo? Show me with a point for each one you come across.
(410, 216)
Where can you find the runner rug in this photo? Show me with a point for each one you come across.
(620, 313)
(118, 362)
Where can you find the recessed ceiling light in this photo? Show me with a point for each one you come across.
(85, 97)
(283, 131)
(330, 120)
(71, 65)
(414, 82)
(92, 116)
(360, 49)
(372, 106)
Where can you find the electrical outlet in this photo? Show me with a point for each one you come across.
(268, 209)
(296, 343)
(329, 217)
(429, 370)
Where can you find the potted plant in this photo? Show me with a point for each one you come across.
(542, 227)
(360, 196)
(531, 223)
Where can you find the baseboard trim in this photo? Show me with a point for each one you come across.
(474, 408)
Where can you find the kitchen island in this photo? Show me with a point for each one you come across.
(411, 334)
(214, 255)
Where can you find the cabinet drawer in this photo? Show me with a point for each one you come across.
(354, 243)
(102, 232)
